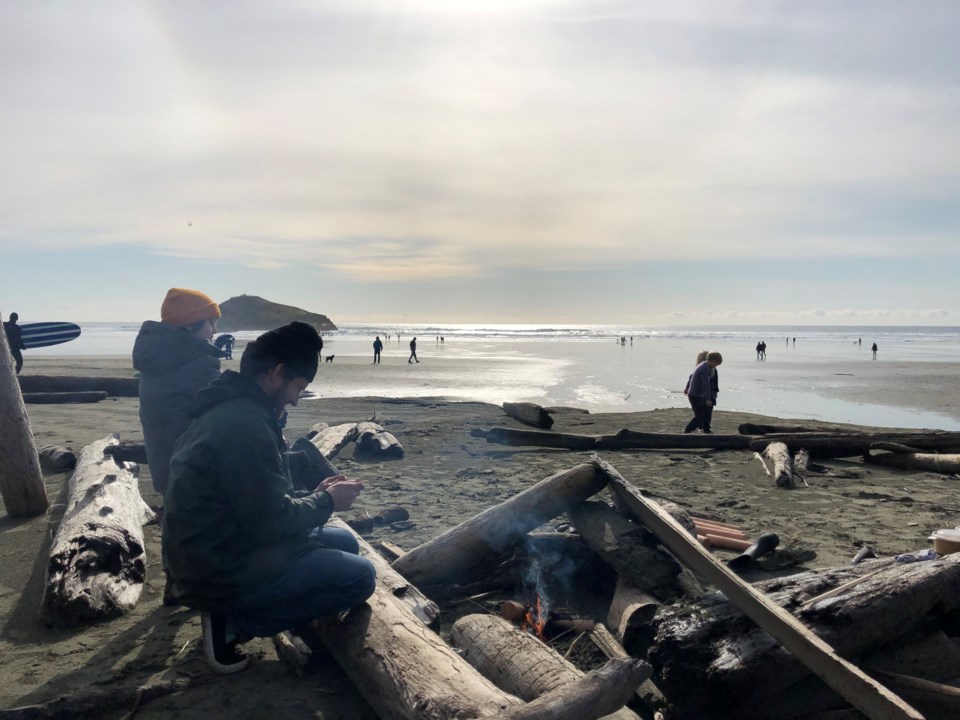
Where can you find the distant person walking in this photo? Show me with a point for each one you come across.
(763, 349)
(413, 351)
(702, 389)
(224, 343)
(377, 347)
(758, 351)
(15, 340)
(873, 349)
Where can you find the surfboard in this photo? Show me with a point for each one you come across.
(44, 334)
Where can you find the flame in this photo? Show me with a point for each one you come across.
(535, 620)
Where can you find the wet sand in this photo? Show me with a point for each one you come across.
(446, 476)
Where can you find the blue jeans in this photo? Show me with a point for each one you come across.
(323, 582)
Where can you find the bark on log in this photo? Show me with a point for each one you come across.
(529, 413)
(516, 661)
(97, 560)
(835, 445)
(63, 398)
(776, 456)
(715, 647)
(331, 440)
(594, 696)
(946, 463)
(628, 548)
(622, 440)
(114, 386)
(128, 452)
(21, 481)
(403, 669)
(630, 615)
(376, 443)
(860, 690)
(459, 552)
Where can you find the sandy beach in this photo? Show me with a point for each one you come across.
(446, 476)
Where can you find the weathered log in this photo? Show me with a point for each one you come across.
(459, 552)
(760, 429)
(622, 440)
(292, 650)
(54, 458)
(21, 481)
(631, 612)
(529, 413)
(776, 457)
(402, 668)
(835, 445)
(375, 442)
(516, 661)
(63, 398)
(945, 463)
(97, 561)
(331, 440)
(114, 386)
(628, 548)
(648, 693)
(860, 690)
(595, 695)
(128, 452)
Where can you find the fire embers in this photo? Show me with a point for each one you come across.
(538, 620)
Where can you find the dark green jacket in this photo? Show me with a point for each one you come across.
(231, 518)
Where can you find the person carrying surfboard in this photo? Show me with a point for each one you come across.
(15, 340)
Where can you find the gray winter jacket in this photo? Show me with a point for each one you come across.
(173, 366)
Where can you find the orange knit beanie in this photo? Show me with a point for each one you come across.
(184, 307)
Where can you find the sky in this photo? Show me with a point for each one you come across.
(529, 161)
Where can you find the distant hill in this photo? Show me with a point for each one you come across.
(249, 312)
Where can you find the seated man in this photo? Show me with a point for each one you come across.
(242, 545)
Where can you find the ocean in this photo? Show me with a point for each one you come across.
(808, 373)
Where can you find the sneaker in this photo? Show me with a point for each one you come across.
(223, 657)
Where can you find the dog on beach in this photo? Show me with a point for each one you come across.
(328, 358)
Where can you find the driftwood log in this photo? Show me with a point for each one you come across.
(128, 452)
(837, 445)
(21, 481)
(54, 458)
(779, 464)
(622, 440)
(943, 463)
(403, 668)
(630, 615)
(64, 398)
(760, 429)
(529, 413)
(595, 695)
(628, 548)
(114, 386)
(516, 661)
(462, 551)
(648, 693)
(376, 443)
(860, 690)
(97, 561)
(330, 440)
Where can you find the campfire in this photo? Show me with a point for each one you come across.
(536, 619)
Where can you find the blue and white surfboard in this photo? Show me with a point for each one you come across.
(44, 334)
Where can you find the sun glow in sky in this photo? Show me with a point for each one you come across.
(525, 161)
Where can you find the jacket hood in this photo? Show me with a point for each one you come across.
(231, 385)
(161, 348)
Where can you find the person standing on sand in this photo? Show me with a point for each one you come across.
(873, 349)
(245, 548)
(702, 389)
(413, 351)
(377, 347)
(15, 340)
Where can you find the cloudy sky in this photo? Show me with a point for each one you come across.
(562, 161)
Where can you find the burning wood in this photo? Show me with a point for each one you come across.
(537, 620)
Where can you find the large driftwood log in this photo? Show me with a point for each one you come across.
(628, 548)
(64, 398)
(529, 413)
(114, 386)
(516, 661)
(403, 669)
(760, 429)
(21, 481)
(331, 440)
(622, 440)
(376, 443)
(861, 691)
(776, 456)
(97, 560)
(945, 463)
(459, 552)
(595, 695)
(836, 445)
(631, 612)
